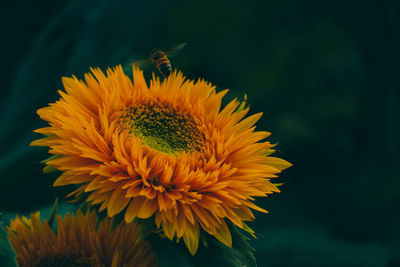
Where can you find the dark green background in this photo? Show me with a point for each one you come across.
(325, 74)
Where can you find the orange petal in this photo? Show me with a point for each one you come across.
(133, 209)
(149, 206)
(62, 180)
(117, 203)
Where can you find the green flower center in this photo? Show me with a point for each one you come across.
(163, 128)
(66, 261)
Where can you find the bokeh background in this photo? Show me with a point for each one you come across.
(324, 73)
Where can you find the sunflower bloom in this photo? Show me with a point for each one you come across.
(165, 150)
(78, 243)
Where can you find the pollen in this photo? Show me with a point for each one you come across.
(163, 128)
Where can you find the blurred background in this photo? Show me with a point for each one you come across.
(324, 73)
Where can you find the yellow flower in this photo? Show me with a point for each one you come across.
(78, 243)
(166, 150)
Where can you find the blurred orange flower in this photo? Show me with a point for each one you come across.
(78, 242)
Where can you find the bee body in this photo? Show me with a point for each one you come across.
(161, 61)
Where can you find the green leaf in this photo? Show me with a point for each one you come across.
(81, 197)
(50, 158)
(248, 229)
(170, 253)
(243, 104)
(217, 254)
(49, 169)
(203, 238)
(148, 226)
(7, 253)
(116, 220)
(53, 214)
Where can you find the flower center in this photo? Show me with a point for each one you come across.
(66, 261)
(163, 128)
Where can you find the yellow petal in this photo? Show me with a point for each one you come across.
(223, 234)
(278, 163)
(191, 238)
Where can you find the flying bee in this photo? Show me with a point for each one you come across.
(160, 59)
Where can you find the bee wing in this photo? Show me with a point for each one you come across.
(174, 51)
(142, 63)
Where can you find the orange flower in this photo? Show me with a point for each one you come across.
(78, 243)
(166, 150)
